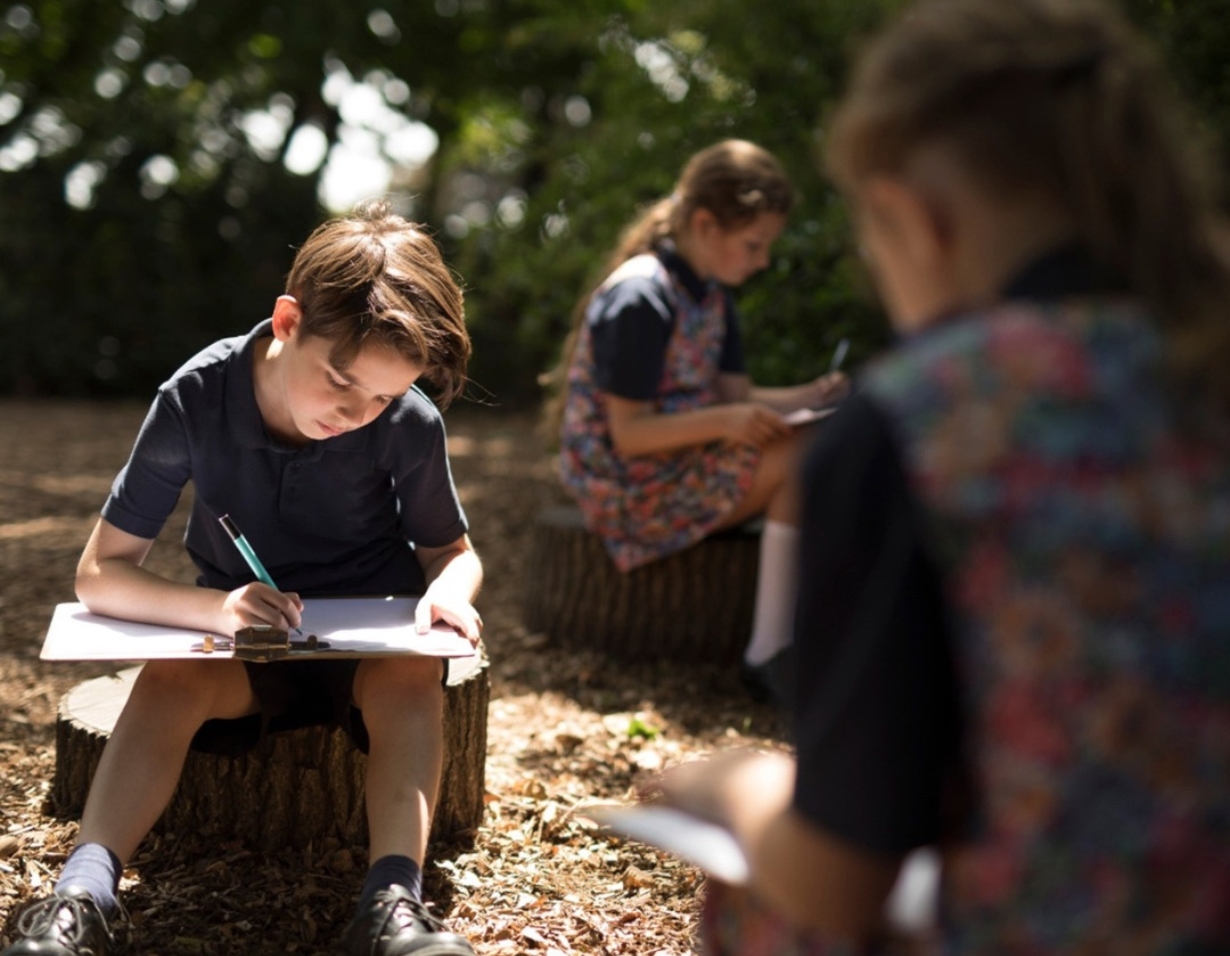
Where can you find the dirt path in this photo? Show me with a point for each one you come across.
(537, 880)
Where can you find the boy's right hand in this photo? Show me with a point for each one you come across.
(752, 423)
(257, 603)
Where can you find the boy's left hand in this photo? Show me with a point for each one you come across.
(439, 605)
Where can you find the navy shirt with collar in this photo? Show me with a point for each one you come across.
(332, 517)
(633, 328)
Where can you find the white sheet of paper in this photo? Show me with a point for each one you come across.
(711, 847)
(911, 907)
(377, 627)
(804, 415)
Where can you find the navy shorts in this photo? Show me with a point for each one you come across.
(291, 694)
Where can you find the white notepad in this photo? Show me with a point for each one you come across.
(366, 626)
(804, 415)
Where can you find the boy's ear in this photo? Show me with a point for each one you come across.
(287, 317)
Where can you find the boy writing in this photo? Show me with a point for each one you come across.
(310, 433)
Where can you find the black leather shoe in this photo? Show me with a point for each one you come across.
(773, 681)
(66, 924)
(394, 923)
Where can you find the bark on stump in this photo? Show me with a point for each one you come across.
(306, 786)
(694, 604)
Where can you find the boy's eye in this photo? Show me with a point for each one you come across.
(340, 385)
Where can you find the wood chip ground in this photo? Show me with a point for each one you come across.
(566, 729)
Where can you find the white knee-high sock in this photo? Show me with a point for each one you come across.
(776, 588)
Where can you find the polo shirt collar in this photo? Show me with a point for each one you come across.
(682, 270)
(244, 414)
(1066, 270)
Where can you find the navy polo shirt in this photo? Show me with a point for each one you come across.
(332, 517)
(633, 320)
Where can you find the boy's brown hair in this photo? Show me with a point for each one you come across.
(374, 279)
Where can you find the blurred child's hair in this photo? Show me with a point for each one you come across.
(1058, 98)
(734, 180)
(373, 279)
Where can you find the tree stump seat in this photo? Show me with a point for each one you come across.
(695, 604)
(302, 785)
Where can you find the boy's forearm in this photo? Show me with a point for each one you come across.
(118, 588)
(458, 570)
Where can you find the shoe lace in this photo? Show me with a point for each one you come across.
(403, 907)
(44, 917)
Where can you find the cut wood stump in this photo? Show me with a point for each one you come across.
(695, 604)
(300, 787)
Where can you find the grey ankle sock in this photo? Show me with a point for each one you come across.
(95, 869)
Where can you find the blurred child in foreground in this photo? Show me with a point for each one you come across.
(1013, 619)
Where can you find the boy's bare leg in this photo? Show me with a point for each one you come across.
(403, 708)
(142, 761)
(402, 701)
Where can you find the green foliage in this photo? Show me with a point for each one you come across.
(658, 85)
(143, 213)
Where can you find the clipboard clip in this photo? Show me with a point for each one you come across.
(261, 643)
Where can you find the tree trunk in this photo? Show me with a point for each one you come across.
(696, 603)
(305, 785)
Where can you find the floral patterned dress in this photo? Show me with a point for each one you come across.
(648, 506)
(1082, 533)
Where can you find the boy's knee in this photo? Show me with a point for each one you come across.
(186, 686)
(403, 683)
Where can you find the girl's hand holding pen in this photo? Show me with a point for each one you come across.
(258, 603)
(829, 389)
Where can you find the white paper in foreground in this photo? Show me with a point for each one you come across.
(911, 907)
(369, 626)
(711, 847)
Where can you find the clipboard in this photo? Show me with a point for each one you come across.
(343, 627)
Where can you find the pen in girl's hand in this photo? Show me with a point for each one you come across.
(249, 555)
(839, 355)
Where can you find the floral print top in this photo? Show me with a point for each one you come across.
(1084, 544)
(1014, 641)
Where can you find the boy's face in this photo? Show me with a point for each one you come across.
(319, 400)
